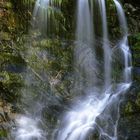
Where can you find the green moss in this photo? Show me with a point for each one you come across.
(137, 36)
(135, 43)
(5, 36)
(128, 108)
(9, 5)
(3, 133)
(10, 85)
(10, 77)
(138, 101)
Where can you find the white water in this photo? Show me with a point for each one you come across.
(124, 43)
(95, 108)
(28, 129)
(106, 47)
(81, 119)
(40, 15)
(93, 111)
(29, 125)
(84, 53)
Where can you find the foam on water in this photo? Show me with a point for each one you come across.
(28, 129)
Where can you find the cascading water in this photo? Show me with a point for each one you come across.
(84, 53)
(124, 43)
(40, 12)
(81, 117)
(28, 125)
(99, 108)
(106, 47)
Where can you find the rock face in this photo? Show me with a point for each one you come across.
(12, 65)
(129, 123)
(6, 118)
(133, 2)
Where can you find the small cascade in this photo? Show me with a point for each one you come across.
(124, 43)
(80, 121)
(40, 14)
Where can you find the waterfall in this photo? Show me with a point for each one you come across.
(29, 124)
(40, 15)
(124, 43)
(84, 53)
(98, 109)
(106, 47)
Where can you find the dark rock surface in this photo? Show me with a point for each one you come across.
(133, 2)
(129, 123)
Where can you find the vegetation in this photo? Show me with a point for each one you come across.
(16, 38)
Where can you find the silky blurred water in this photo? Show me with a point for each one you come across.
(98, 107)
(94, 111)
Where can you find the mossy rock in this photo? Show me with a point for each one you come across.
(3, 133)
(5, 36)
(8, 5)
(131, 104)
(10, 85)
(10, 62)
(129, 122)
(129, 128)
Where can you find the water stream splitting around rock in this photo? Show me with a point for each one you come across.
(88, 114)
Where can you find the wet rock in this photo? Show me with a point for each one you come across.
(136, 70)
(6, 119)
(130, 128)
(15, 68)
(129, 123)
(133, 2)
